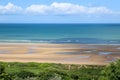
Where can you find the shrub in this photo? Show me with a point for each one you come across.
(45, 75)
(111, 72)
(2, 69)
(25, 74)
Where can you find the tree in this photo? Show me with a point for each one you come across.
(111, 72)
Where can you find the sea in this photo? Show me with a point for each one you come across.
(60, 33)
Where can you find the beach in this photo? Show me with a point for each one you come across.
(93, 44)
(90, 54)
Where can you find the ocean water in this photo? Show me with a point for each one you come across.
(60, 33)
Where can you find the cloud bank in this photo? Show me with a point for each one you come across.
(54, 9)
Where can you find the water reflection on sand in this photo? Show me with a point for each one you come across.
(60, 53)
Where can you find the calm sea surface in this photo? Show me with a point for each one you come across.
(61, 33)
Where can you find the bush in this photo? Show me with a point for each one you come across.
(111, 72)
(3, 75)
(25, 74)
(2, 69)
(56, 77)
(45, 75)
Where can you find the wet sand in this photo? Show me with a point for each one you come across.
(59, 53)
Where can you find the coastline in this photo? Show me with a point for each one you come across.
(89, 54)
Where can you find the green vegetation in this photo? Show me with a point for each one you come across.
(50, 71)
(111, 72)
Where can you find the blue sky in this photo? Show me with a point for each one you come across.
(59, 11)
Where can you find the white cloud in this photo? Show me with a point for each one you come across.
(66, 8)
(37, 9)
(10, 9)
(55, 9)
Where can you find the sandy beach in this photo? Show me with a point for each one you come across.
(59, 53)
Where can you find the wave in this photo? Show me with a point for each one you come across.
(65, 40)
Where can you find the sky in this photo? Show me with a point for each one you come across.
(59, 11)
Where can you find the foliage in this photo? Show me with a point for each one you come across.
(49, 71)
(111, 72)
(2, 69)
(3, 75)
(25, 74)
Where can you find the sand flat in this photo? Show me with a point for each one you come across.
(59, 53)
